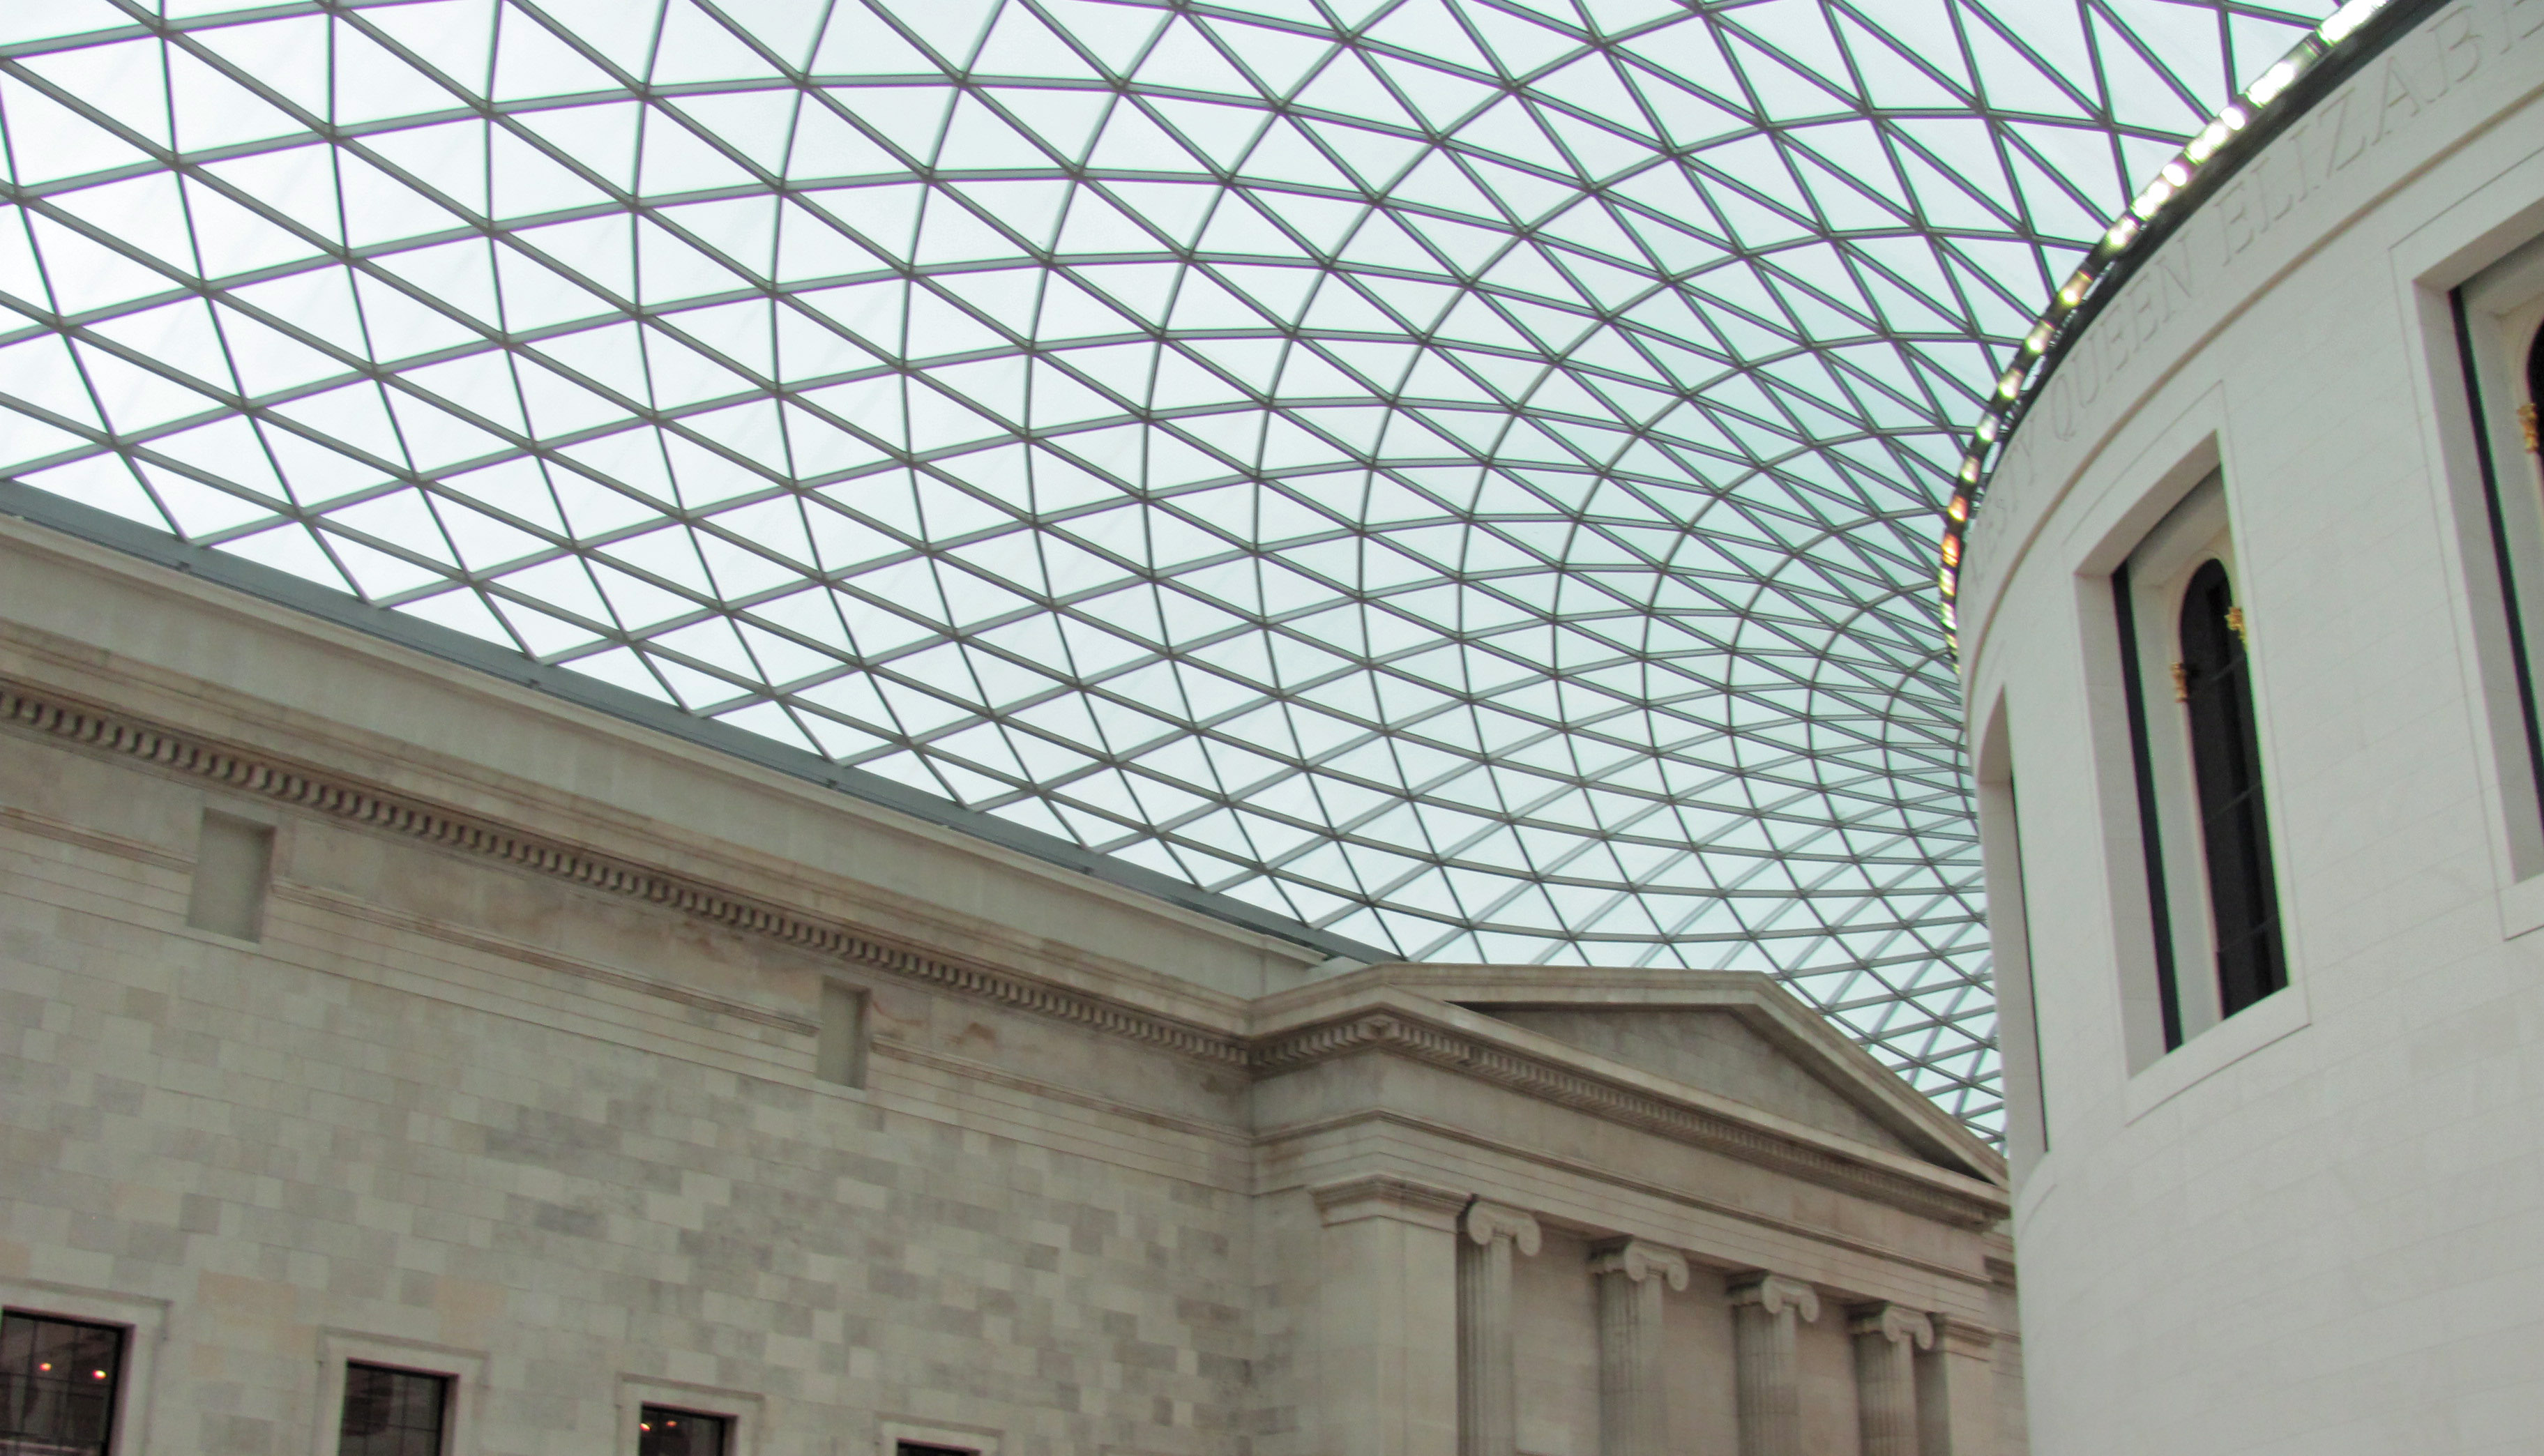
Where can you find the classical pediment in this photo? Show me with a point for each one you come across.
(1733, 1033)
(1714, 1049)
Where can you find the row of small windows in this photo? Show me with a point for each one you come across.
(59, 1380)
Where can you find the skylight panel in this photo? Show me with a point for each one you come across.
(801, 391)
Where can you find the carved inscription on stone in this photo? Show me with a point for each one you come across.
(2386, 100)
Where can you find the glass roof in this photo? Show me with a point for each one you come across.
(1459, 473)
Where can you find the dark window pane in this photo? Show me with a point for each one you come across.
(391, 1412)
(664, 1431)
(57, 1380)
(917, 1448)
(2535, 375)
(2226, 762)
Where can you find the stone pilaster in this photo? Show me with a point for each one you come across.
(1634, 1404)
(1767, 1311)
(1886, 1340)
(1487, 1359)
(1956, 1399)
(1386, 1380)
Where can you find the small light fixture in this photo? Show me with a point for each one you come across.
(2273, 81)
(2157, 193)
(2337, 28)
(2122, 232)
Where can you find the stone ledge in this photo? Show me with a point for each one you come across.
(1387, 1195)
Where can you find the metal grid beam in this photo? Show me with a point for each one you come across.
(1452, 476)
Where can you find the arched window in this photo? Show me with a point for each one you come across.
(2226, 764)
(2534, 390)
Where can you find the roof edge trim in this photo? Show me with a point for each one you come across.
(2281, 96)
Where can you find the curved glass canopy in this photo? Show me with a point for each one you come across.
(1458, 473)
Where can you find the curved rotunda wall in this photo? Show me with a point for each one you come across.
(2308, 1223)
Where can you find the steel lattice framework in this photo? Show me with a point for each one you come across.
(1459, 473)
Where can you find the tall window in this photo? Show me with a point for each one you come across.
(2226, 766)
(2212, 901)
(664, 1431)
(2000, 816)
(2500, 342)
(57, 1380)
(392, 1413)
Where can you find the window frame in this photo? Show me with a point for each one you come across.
(441, 1384)
(2495, 321)
(144, 1323)
(891, 1434)
(122, 1338)
(1993, 773)
(743, 1412)
(2150, 586)
(339, 1350)
(656, 1410)
(2121, 663)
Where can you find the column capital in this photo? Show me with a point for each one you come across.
(1962, 1338)
(1639, 1260)
(1893, 1323)
(1775, 1293)
(1484, 1222)
(1385, 1195)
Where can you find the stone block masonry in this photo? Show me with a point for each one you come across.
(510, 1049)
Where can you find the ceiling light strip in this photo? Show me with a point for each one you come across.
(2337, 47)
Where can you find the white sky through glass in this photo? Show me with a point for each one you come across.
(1458, 473)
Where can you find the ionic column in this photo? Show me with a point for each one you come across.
(1886, 1340)
(1387, 1382)
(1957, 1408)
(1766, 1312)
(1634, 1404)
(1487, 1358)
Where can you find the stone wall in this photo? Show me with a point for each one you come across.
(507, 1060)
